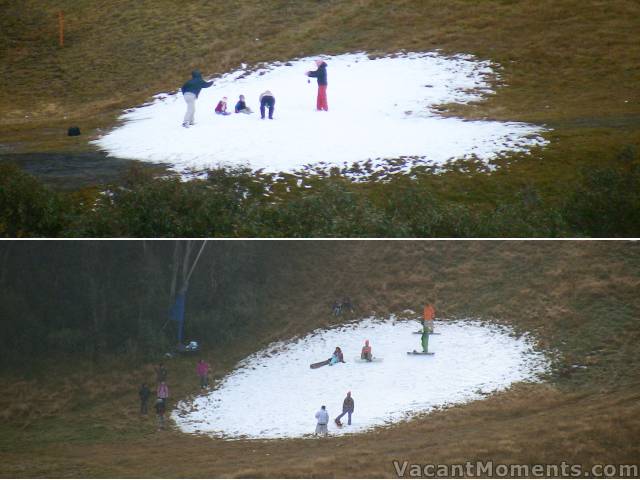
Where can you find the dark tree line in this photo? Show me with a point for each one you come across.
(101, 297)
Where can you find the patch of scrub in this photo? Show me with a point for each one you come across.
(379, 109)
(274, 393)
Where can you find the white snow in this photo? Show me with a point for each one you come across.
(378, 109)
(274, 393)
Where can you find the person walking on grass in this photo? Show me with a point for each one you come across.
(321, 75)
(267, 100)
(161, 373)
(163, 391)
(347, 409)
(202, 369)
(144, 393)
(190, 91)
(161, 408)
(322, 416)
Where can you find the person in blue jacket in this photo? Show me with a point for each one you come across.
(190, 91)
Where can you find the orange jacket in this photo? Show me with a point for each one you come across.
(429, 312)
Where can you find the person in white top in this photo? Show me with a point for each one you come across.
(323, 419)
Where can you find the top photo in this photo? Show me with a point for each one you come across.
(320, 119)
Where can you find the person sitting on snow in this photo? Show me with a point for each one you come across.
(323, 419)
(241, 106)
(347, 409)
(366, 353)
(221, 108)
(337, 357)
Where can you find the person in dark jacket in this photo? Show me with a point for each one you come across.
(161, 373)
(161, 408)
(321, 74)
(190, 91)
(347, 409)
(144, 394)
(241, 106)
(267, 100)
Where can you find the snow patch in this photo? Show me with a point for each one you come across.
(274, 394)
(379, 109)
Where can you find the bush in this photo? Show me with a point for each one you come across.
(27, 208)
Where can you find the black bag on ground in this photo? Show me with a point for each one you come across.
(73, 131)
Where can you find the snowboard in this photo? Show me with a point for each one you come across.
(432, 333)
(320, 364)
(415, 352)
(374, 360)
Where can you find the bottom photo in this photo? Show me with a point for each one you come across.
(341, 359)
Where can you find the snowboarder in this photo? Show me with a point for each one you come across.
(321, 74)
(161, 373)
(267, 100)
(366, 353)
(337, 357)
(163, 391)
(160, 407)
(221, 108)
(347, 409)
(190, 91)
(202, 369)
(429, 315)
(241, 106)
(144, 393)
(323, 419)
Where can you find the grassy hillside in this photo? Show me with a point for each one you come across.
(78, 418)
(569, 65)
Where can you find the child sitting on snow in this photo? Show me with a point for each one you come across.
(241, 106)
(366, 353)
(337, 357)
(221, 108)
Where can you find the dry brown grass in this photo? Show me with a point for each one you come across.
(578, 298)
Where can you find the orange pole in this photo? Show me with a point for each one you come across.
(61, 27)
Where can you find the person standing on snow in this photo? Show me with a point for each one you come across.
(190, 91)
(144, 393)
(267, 100)
(366, 353)
(202, 369)
(321, 74)
(323, 419)
(347, 408)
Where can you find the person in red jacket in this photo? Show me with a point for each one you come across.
(321, 74)
(202, 369)
(366, 353)
(221, 108)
